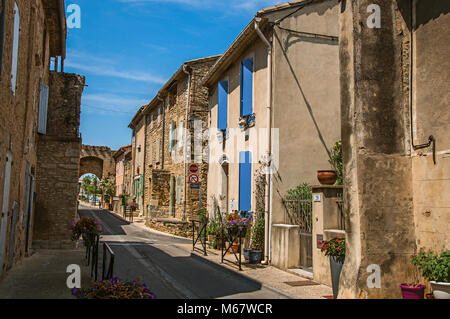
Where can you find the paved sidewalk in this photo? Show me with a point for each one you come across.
(270, 277)
(43, 275)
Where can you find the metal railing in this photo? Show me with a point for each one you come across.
(92, 256)
(199, 234)
(341, 212)
(229, 238)
(299, 212)
(107, 271)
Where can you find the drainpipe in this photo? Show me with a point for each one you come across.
(2, 32)
(144, 168)
(188, 94)
(163, 128)
(268, 211)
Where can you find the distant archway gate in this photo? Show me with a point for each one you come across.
(97, 160)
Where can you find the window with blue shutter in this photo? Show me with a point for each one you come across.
(247, 87)
(170, 137)
(222, 112)
(15, 51)
(245, 181)
(43, 107)
(178, 190)
(180, 135)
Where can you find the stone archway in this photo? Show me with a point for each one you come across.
(91, 165)
(97, 160)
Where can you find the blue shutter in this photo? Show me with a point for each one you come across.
(170, 137)
(247, 87)
(26, 195)
(43, 106)
(15, 50)
(245, 181)
(222, 120)
(178, 190)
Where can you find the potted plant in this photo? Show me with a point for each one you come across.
(237, 225)
(335, 248)
(334, 176)
(436, 269)
(115, 288)
(212, 230)
(87, 229)
(133, 207)
(257, 241)
(202, 215)
(412, 291)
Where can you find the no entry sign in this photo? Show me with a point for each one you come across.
(193, 168)
(193, 179)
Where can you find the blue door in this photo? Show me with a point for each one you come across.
(245, 181)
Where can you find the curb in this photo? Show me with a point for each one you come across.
(246, 277)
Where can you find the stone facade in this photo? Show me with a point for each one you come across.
(303, 117)
(122, 159)
(41, 36)
(164, 171)
(58, 159)
(394, 95)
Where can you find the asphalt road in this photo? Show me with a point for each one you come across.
(167, 267)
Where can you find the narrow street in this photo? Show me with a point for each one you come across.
(166, 265)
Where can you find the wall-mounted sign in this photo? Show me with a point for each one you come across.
(193, 179)
(193, 168)
(317, 198)
(195, 186)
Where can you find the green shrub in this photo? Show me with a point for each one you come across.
(301, 192)
(258, 234)
(336, 161)
(434, 267)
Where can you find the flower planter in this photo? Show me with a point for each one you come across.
(327, 177)
(247, 252)
(409, 292)
(211, 238)
(336, 268)
(255, 256)
(441, 290)
(235, 248)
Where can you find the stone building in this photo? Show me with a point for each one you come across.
(39, 140)
(395, 63)
(282, 73)
(159, 132)
(122, 159)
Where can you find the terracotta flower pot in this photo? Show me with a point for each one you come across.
(235, 248)
(327, 177)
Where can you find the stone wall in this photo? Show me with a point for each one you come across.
(395, 196)
(92, 157)
(18, 123)
(172, 164)
(58, 164)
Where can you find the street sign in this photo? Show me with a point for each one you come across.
(195, 186)
(193, 179)
(193, 168)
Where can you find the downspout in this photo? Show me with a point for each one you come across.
(163, 128)
(144, 167)
(268, 211)
(188, 94)
(431, 139)
(2, 33)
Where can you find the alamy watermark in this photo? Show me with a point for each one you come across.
(73, 16)
(74, 279)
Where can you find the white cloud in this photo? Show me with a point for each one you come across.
(110, 104)
(250, 5)
(106, 67)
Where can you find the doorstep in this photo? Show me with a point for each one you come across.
(302, 273)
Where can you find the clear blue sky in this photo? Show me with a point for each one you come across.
(128, 49)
